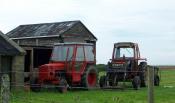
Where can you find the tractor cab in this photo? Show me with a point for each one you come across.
(71, 64)
(74, 58)
(125, 53)
(126, 65)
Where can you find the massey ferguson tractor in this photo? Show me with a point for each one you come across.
(126, 65)
(71, 65)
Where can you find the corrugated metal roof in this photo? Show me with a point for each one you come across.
(39, 30)
(8, 47)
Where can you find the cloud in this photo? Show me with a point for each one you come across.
(150, 23)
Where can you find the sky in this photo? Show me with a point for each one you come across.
(150, 23)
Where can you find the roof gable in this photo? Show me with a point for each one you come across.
(8, 47)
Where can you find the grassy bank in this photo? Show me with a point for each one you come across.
(163, 94)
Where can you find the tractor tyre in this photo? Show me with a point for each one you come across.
(62, 87)
(102, 81)
(110, 79)
(89, 78)
(136, 82)
(34, 85)
(113, 80)
(142, 73)
(156, 80)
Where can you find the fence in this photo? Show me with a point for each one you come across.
(46, 95)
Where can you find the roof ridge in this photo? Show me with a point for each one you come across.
(1, 32)
(50, 23)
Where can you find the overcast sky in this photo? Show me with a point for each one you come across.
(151, 23)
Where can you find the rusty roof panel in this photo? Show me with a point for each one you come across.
(44, 29)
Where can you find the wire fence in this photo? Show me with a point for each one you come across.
(79, 94)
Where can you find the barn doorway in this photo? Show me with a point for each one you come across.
(27, 61)
(41, 56)
(35, 58)
(27, 65)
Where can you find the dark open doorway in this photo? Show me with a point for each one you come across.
(27, 64)
(35, 58)
(41, 56)
(27, 61)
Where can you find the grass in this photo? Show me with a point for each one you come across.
(163, 94)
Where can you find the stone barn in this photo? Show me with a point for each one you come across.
(38, 40)
(12, 61)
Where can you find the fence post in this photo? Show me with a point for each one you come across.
(5, 88)
(150, 84)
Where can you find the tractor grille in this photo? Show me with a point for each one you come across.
(117, 66)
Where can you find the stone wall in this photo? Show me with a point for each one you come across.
(18, 72)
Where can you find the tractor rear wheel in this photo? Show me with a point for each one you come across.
(102, 81)
(156, 80)
(34, 85)
(90, 77)
(136, 82)
(62, 86)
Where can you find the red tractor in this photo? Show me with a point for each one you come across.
(126, 65)
(71, 65)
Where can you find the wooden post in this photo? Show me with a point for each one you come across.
(5, 88)
(150, 84)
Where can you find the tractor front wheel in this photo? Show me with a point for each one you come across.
(136, 82)
(142, 73)
(62, 87)
(113, 80)
(90, 77)
(103, 81)
(156, 80)
(34, 85)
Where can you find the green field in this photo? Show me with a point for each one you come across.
(165, 93)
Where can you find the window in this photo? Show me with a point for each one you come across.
(89, 53)
(80, 54)
(120, 52)
(61, 53)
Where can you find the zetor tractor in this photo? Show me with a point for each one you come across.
(71, 65)
(126, 65)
